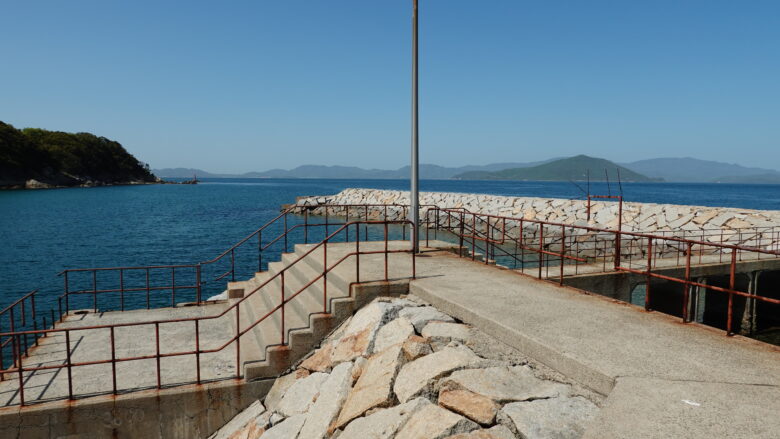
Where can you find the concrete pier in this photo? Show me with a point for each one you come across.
(661, 378)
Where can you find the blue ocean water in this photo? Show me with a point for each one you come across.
(44, 232)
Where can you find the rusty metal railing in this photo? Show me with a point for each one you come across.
(19, 369)
(559, 245)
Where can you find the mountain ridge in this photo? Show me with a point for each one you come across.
(670, 169)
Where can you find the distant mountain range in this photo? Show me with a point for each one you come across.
(427, 171)
(580, 167)
(662, 169)
(694, 170)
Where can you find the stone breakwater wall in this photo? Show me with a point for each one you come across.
(754, 228)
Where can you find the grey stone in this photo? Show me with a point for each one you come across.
(279, 388)
(328, 404)
(564, 418)
(287, 429)
(415, 377)
(373, 388)
(301, 395)
(397, 331)
(420, 316)
(433, 422)
(514, 383)
(384, 423)
(445, 331)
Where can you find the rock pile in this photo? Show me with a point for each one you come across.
(400, 368)
(637, 217)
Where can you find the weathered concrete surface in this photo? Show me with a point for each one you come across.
(131, 341)
(595, 341)
(182, 412)
(563, 417)
(687, 409)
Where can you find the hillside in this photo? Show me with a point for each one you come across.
(58, 159)
(686, 169)
(572, 168)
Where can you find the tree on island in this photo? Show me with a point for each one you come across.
(57, 158)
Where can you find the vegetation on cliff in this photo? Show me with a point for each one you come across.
(572, 168)
(55, 158)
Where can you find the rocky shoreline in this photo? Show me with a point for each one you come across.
(400, 368)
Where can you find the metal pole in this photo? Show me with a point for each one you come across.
(415, 190)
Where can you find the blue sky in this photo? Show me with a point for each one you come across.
(251, 85)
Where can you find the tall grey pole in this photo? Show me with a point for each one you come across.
(415, 189)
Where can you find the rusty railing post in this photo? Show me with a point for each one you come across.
(649, 269)
(541, 248)
(197, 284)
(238, 339)
(148, 289)
(121, 289)
(732, 283)
(113, 361)
(687, 285)
(197, 350)
(69, 364)
(157, 349)
(282, 304)
(20, 368)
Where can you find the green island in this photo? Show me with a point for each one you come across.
(574, 168)
(33, 158)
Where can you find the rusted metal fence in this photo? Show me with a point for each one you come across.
(538, 247)
(342, 233)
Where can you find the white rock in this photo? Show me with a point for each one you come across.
(328, 404)
(287, 429)
(515, 383)
(279, 388)
(301, 394)
(433, 422)
(384, 423)
(373, 388)
(392, 333)
(358, 337)
(421, 315)
(564, 418)
(415, 377)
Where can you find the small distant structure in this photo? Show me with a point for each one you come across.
(193, 181)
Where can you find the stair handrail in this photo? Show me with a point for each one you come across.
(19, 369)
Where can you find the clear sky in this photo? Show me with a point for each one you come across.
(235, 86)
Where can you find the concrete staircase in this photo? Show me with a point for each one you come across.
(266, 350)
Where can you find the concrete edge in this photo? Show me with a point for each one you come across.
(573, 369)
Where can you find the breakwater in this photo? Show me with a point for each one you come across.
(749, 227)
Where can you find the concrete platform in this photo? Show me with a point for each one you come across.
(648, 361)
(94, 345)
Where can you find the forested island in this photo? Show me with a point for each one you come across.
(580, 167)
(34, 158)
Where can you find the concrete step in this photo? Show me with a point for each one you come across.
(307, 320)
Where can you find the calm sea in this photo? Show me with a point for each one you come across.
(43, 232)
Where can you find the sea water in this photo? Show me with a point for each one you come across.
(43, 232)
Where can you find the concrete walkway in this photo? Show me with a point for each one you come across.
(94, 345)
(662, 378)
